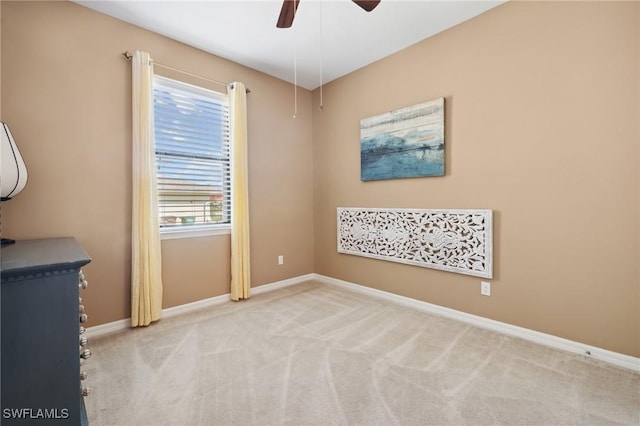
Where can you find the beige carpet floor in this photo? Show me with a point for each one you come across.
(314, 354)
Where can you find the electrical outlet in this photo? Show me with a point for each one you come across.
(485, 288)
(281, 260)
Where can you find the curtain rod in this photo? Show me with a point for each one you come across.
(128, 55)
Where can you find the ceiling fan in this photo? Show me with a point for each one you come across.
(289, 7)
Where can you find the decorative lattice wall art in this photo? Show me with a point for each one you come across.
(450, 240)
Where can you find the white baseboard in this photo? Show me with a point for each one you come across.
(281, 284)
(112, 327)
(615, 358)
(108, 328)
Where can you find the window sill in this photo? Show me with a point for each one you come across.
(178, 233)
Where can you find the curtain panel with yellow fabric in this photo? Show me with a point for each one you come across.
(240, 259)
(146, 260)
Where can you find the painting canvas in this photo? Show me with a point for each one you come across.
(404, 143)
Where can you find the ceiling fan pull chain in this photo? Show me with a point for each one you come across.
(321, 64)
(295, 86)
(295, 67)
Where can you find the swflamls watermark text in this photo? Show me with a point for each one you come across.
(35, 413)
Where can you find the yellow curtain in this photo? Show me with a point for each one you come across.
(146, 260)
(240, 259)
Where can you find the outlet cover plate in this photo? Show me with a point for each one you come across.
(485, 288)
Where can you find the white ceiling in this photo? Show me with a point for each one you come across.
(329, 38)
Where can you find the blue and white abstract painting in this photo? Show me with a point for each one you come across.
(404, 143)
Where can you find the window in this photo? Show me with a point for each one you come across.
(192, 157)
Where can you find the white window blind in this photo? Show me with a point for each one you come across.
(192, 155)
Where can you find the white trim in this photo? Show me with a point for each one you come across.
(108, 328)
(124, 324)
(615, 358)
(281, 284)
(193, 306)
(174, 233)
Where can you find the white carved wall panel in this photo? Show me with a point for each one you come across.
(451, 240)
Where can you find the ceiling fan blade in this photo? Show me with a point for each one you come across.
(287, 13)
(367, 5)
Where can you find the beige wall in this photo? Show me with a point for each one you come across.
(542, 127)
(66, 94)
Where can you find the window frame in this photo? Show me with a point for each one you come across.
(195, 230)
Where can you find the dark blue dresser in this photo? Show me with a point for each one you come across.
(42, 347)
